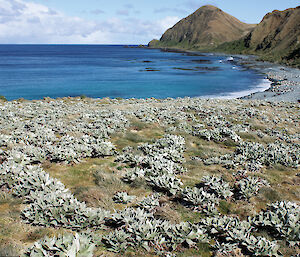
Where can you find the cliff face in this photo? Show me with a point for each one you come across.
(208, 27)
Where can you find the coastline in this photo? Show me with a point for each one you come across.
(262, 87)
(273, 82)
(284, 81)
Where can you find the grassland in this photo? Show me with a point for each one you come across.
(97, 175)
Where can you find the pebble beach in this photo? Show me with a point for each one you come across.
(285, 81)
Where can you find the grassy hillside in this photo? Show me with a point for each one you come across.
(276, 38)
(206, 28)
(184, 177)
(289, 56)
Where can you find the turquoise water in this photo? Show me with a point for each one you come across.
(37, 71)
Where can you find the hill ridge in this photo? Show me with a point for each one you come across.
(207, 27)
(275, 38)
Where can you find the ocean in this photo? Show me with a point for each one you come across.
(116, 71)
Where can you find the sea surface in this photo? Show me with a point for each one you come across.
(37, 71)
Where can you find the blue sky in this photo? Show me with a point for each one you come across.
(111, 21)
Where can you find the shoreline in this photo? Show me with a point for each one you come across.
(280, 83)
(284, 81)
(262, 87)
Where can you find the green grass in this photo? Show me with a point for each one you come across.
(225, 207)
(201, 250)
(270, 194)
(234, 47)
(248, 137)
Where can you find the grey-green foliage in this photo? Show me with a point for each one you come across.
(183, 233)
(50, 203)
(258, 246)
(160, 165)
(163, 115)
(225, 160)
(207, 195)
(65, 245)
(73, 149)
(140, 229)
(157, 163)
(149, 203)
(128, 215)
(26, 180)
(168, 183)
(230, 230)
(281, 219)
(218, 186)
(117, 241)
(62, 210)
(59, 132)
(170, 146)
(274, 153)
(218, 134)
(123, 197)
(200, 199)
(224, 248)
(249, 186)
(282, 134)
(133, 174)
(217, 226)
(248, 153)
(69, 149)
(212, 134)
(165, 152)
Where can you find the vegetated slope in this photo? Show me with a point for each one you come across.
(276, 38)
(206, 28)
(149, 177)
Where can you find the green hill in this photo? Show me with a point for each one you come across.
(276, 38)
(208, 27)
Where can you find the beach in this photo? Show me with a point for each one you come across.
(281, 83)
(285, 81)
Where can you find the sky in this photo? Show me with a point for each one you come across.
(111, 21)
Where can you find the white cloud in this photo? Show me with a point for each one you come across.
(27, 22)
(168, 22)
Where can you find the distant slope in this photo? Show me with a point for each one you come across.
(275, 38)
(206, 28)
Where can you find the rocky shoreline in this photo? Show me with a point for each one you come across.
(285, 81)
